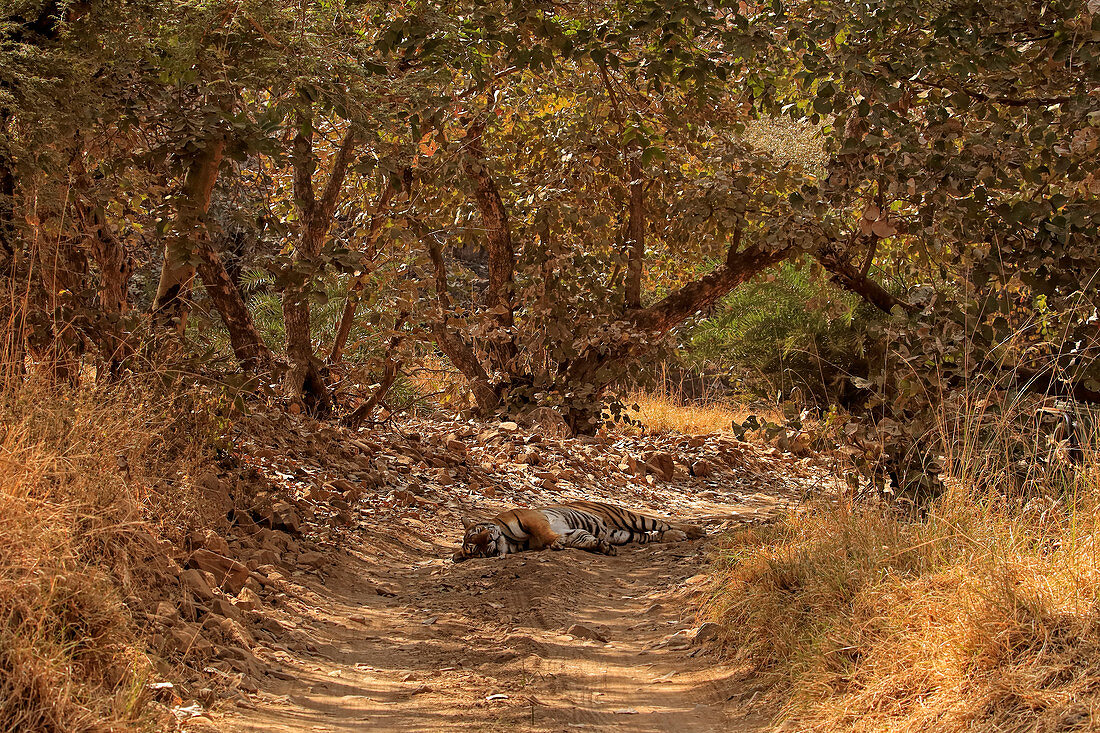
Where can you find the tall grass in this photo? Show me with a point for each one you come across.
(981, 615)
(88, 480)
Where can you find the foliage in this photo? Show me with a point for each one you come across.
(794, 334)
(548, 194)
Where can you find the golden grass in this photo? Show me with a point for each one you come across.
(663, 412)
(78, 478)
(982, 616)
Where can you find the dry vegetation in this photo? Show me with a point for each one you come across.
(88, 480)
(982, 615)
(662, 411)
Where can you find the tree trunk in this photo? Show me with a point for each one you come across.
(62, 268)
(653, 322)
(855, 279)
(248, 344)
(635, 230)
(305, 384)
(351, 301)
(389, 376)
(498, 232)
(12, 301)
(172, 302)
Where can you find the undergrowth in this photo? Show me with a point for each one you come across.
(91, 481)
(980, 615)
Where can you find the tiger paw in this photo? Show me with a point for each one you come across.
(674, 535)
(607, 548)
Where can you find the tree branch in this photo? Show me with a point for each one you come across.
(850, 277)
(502, 258)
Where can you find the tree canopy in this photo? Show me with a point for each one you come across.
(546, 192)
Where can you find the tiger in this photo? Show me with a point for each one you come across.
(584, 525)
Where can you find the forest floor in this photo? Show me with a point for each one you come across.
(366, 624)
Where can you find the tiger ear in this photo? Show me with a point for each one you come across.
(467, 523)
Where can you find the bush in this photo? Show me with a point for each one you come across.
(794, 334)
(979, 616)
(88, 480)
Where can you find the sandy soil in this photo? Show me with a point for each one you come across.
(387, 634)
(484, 645)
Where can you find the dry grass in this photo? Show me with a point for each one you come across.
(84, 476)
(664, 412)
(983, 615)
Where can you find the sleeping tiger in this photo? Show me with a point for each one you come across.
(585, 525)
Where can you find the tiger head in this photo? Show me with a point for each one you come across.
(480, 540)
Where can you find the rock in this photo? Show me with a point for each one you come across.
(547, 421)
(235, 630)
(385, 589)
(581, 631)
(408, 498)
(312, 559)
(680, 640)
(319, 494)
(188, 639)
(228, 573)
(166, 614)
(210, 540)
(456, 446)
(701, 468)
(194, 581)
(242, 660)
(223, 607)
(249, 600)
(708, 631)
(214, 492)
(509, 426)
(661, 464)
(343, 485)
(266, 556)
(284, 517)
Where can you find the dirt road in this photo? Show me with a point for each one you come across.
(485, 645)
(377, 630)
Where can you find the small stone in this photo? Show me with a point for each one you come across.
(284, 517)
(222, 607)
(166, 613)
(680, 640)
(343, 485)
(319, 494)
(210, 540)
(187, 639)
(509, 426)
(249, 600)
(228, 573)
(701, 468)
(706, 632)
(194, 581)
(313, 559)
(266, 556)
(581, 631)
(547, 421)
(661, 464)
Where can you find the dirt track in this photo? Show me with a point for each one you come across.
(483, 646)
(386, 634)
